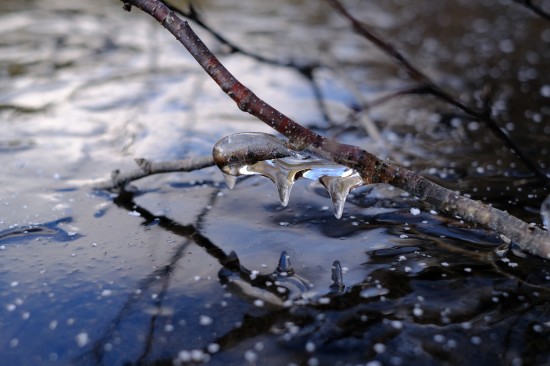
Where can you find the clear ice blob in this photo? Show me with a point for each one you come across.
(242, 154)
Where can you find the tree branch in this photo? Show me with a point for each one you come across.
(373, 170)
(146, 168)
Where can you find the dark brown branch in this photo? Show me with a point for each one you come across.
(369, 166)
(430, 87)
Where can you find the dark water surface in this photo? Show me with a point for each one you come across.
(180, 269)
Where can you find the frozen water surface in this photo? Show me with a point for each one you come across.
(178, 269)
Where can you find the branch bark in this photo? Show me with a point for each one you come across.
(372, 169)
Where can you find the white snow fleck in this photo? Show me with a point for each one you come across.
(106, 292)
(14, 284)
(134, 213)
(197, 355)
(415, 211)
(475, 340)
(259, 303)
(213, 348)
(379, 348)
(250, 356)
(403, 236)
(205, 320)
(82, 339)
(397, 324)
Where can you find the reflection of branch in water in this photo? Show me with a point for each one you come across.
(163, 274)
(307, 70)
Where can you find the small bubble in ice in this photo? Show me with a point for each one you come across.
(445, 264)
(310, 347)
(467, 269)
(108, 347)
(415, 211)
(2, 247)
(374, 363)
(10, 307)
(168, 328)
(82, 339)
(26, 315)
(545, 91)
(53, 324)
(134, 213)
(284, 223)
(324, 300)
(433, 212)
(14, 342)
(205, 320)
(14, 284)
(418, 312)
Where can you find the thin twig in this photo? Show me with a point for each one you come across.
(146, 168)
(372, 169)
(430, 87)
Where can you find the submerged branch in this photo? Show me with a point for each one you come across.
(372, 169)
(428, 86)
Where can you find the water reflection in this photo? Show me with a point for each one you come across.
(172, 272)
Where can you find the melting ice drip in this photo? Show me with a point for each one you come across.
(339, 180)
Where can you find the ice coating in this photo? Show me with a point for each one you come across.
(235, 156)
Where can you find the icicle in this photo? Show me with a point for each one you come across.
(545, 212)
(284, 265)
(233, 158)
(230, 180)
(338, 188)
